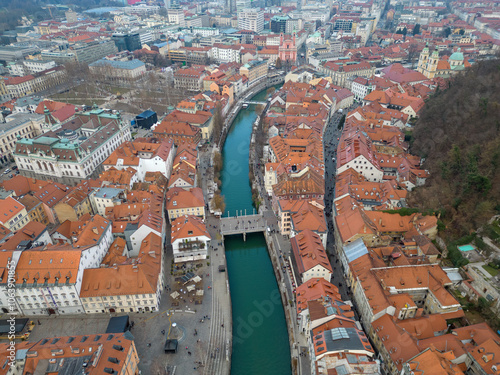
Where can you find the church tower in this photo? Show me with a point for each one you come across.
(423, 60)
(433, 63)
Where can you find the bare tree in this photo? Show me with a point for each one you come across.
(76, 70)
(218, 122)
(412, 53)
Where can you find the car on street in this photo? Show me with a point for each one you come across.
(6, 171)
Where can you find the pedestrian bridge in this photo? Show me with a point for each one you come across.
(254, 102)
(242, 225)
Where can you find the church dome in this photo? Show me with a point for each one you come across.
(457, 56)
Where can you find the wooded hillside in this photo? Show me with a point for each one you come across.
(459, 135)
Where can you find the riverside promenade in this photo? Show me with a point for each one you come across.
(279, 249)
(219, 341)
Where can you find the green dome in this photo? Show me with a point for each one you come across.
(457, 56)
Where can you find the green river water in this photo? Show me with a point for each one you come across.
(260, 337)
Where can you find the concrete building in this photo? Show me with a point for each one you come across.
(190, 79)
(49, 278)
(126, 42)
(4, 93)
(278, 24)
(18, 87)
(176, 16)
(16, 52)
(137, 281)
(241, 5)
(341, 71)
(226, 53)
(361, 87)
(93, 51)
(254, 70)
(18, 125)
(293, 25)
(120, 70)
(76, 151)
(29, 67)
(251, 19)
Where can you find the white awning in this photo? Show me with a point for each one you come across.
(174, 295)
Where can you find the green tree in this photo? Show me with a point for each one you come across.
(447, 32)
(416, 29)
(461, 32)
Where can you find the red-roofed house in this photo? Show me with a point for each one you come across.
(13, 215)
(355, 151)
(397, 73)
(190, 239)
(310, 256)
(340, 71)
(135, 233)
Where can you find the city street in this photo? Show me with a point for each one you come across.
(331, 138)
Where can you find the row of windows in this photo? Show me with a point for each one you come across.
(30, 305)
(111, 298)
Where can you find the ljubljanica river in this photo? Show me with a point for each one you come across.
(260, 336)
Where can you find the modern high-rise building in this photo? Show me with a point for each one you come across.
(278, 24)
(242, 5)
(251, 19)
(176, 15)
(127, 42)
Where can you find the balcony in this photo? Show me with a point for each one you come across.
(191, 246)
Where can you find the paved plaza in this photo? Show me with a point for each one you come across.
(204, 329)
